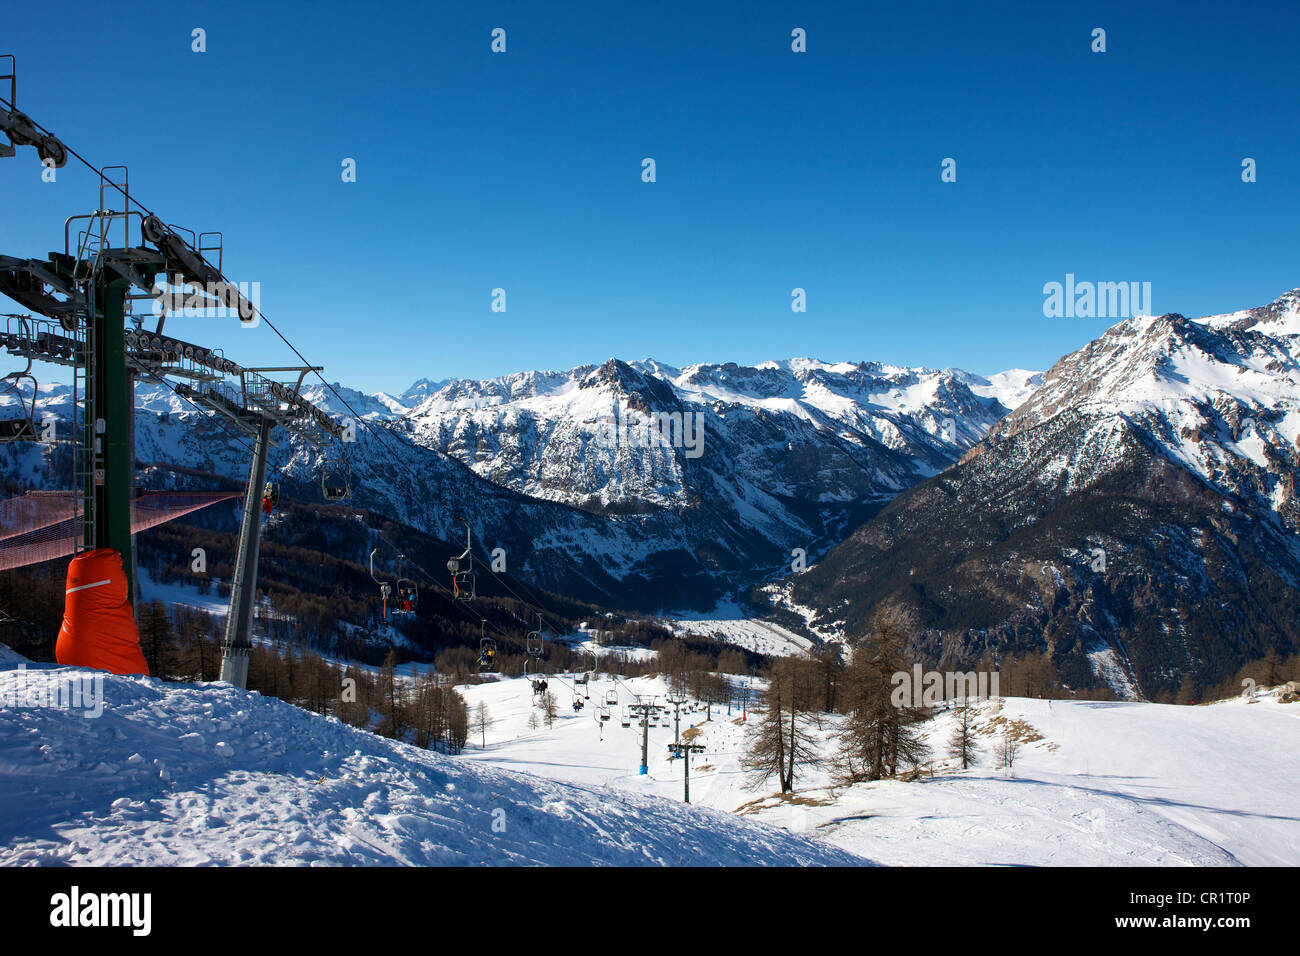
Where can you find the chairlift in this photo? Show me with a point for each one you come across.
(464, 581)
(408, 596)
(270, 497)
(604, 713)
(336, 478)
(626, 718)
(487, 651)
(533, 642)
(408, 593)
(611, 697)
(23, 426)
(385, 589)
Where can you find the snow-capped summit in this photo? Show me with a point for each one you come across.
(1137, 514)
(1219, 394)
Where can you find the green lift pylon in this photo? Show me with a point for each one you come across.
(109, 451)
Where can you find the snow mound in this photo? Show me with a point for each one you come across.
(205, 773)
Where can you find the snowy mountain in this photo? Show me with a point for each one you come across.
(571, 474)
(1136, 515)
(799, 429)
(186, 774)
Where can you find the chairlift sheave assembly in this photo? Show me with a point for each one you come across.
(20, 130)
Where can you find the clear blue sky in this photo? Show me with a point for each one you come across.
(775, 170)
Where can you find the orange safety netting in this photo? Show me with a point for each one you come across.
(44, 525)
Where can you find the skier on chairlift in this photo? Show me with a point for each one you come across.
(269, 498)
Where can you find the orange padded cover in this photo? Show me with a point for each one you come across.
(98, 624)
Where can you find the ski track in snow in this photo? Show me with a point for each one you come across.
(753, 634)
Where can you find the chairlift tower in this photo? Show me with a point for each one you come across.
(258, 404)
(643, 706)
(86, 290)
(685, 751)
(677, 700)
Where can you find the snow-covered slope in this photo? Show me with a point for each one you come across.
(1104, 784)
(732, 624)
(193, 774)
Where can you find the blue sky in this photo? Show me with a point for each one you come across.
(775, 170)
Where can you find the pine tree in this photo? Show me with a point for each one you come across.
(1007, 751)
(1270, 668)
(457, 722)
(156, 639)
(879, 734)
(481, 721)
(962, 744)
(391, 706)
(781, 742)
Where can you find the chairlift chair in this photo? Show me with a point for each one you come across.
(408, 596)
(385, 589)
(464, 582)
(611, 697)
(270, 497)
(336, 479)
(23, 426)
(487, 654)
(408, 593)
(487, 651)
(533, 642)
